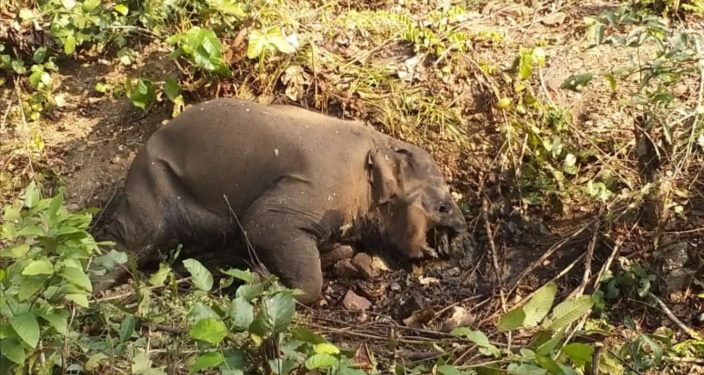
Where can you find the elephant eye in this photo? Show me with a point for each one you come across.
(443, 208)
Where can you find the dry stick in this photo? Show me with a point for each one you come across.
(130, 293)
(590, 255)
(674, 319)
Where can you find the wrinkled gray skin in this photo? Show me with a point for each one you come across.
(296, 181)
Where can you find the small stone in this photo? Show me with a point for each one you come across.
(395, 286)
(116, 159)
(354, 302)
(553, 19)
(345, 269)
(363, 263)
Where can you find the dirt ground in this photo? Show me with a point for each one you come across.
(95, 137)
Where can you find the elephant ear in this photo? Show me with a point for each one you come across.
(386, 172)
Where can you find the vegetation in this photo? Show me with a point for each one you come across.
(483, 100)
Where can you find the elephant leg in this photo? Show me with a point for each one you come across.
(286, 250)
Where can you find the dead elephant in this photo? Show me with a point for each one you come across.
(292, 179)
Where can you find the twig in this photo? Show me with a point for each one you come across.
(130, 293)
(674, 319)
(590, 255)
(698, 361)
(607, 265)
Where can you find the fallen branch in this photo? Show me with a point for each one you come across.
(693, 334)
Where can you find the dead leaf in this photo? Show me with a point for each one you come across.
(554, 19)
(459, 317)
(423, 280)
(420, 317)
(363, 358)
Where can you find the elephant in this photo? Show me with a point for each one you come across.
(228, 173)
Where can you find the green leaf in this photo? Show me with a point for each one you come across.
(38, 267)
(306, 335)
(479, 338)
(568, 312)
(78, 299)
(202, 278)
(246, 276)
(142, 94)
(172, 89)
(279, 311)
(654, 347)
(77, 277)
(70, 45)
(525, 369)
(39, 55)
(31, 195)
(16, 251)
(448, 370)
(89, 5)
(539, 305)
(549, 364)
(159, 277)
(320, 361)
(127, 328)
(512, 320)
(210, 330)
(256, 45)
(207, 360)
(249, 292)
(26, 327)
(611, 80)
(58, 319)
(30, 286)
(580, 354)
(576, 81)
(326, 348)
(13, 350)
(242, 313)
(121, 8)
(525, 64)
(201, 311)
(282, 45)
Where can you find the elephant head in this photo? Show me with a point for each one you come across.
(414, 208)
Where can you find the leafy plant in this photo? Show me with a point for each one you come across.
(202, 48)
(44, 277)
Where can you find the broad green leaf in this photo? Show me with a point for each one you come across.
(549, 364)
(13, 350)
(580, 354)
(89, 5)
(284, 366)
(576, 81)
(158, 277)
(321, 361)
(539, 305)
(142, 94)
(326, 348)
(654, 347)
(525, 64)
(30, 286)
(306, 335)
(78, 277)
(611, 80)
(242, 313)
(111, 260)
(127, 328)
(201, 277)
(121, 8)
(479, 338)
(448, 370)
(246, 276)
(38, 267)
(78, 299)
(39, 55)
(58, 319)
(249, 292)
(568, 312)
(235, 359)
(31, 195)
(210, 330)
(525, 369)
(201, 311)
(281, 44)
(257, 43)
(172, 89)
(279, 311)
(16, 251)
(350, 371)
(512, 320)
(26, 327)
(70, 45)
(206, 361)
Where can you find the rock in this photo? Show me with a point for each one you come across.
(338, 252)
(554, 19)
(354, 302)
(363, 263)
